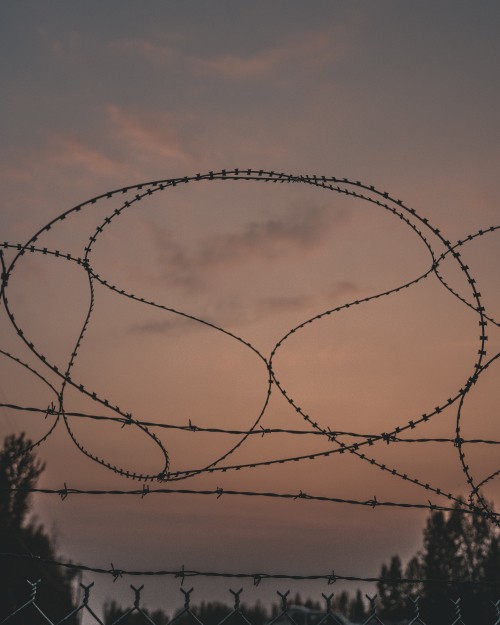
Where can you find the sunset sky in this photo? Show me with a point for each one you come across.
(400, 95)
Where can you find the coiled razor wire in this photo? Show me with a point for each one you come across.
(421, 226)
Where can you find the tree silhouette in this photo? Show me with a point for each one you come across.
(357, 612)
(455, 546)
(19, 472)
(209, 613)
(392, 600)
(465, 547)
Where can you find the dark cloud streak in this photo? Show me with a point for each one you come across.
(299, 233)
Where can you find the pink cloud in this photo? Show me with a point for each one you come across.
(152, 134)
(69, 151)
(64, 159)
(131, 147)
(152, 52)
(67, 45)
(311, 52)
(239, 67)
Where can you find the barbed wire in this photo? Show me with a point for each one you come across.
(257, 578)
(64, 492)
(60, 413)
(261, 432)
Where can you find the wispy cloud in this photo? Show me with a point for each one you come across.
(322, 299)
(300, 231)
(176, 264)
(297, 233)
(233, 312)
(153, 52)
(65, 46)
(165, 326)
(69, 151)
(312, 51)
(70, 44)
(342, 288)
(282, 303)
(152, 135)
(125, 146)
(61, 160)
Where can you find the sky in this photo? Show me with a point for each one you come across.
(400, 95)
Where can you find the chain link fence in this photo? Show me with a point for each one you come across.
(283, 613)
